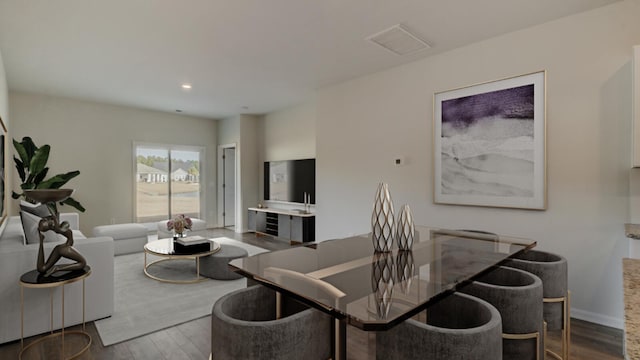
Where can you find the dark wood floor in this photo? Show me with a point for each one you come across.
(191, 340)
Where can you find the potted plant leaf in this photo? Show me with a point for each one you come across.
(31, 164)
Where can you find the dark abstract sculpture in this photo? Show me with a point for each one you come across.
(50, 197)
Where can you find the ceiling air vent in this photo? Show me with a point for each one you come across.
(398, 40)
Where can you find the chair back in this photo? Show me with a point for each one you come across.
(517, 295)
(244, 326)
(459, 326)
(552, 269)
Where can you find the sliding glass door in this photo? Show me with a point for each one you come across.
(185, 183)
(167, 181)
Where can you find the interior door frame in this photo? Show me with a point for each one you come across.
(220, 189)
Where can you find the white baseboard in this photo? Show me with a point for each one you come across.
(605, 320)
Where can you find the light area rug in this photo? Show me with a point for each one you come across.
(144, 305)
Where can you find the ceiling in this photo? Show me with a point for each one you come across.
(241, 56)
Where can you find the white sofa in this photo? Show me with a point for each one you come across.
(16, 258)
(127, 238)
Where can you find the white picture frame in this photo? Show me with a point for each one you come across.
(490, 144)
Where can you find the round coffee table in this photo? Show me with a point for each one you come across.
(166, 249)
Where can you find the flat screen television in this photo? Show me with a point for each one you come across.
(289, 180)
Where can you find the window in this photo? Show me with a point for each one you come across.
(167, 182)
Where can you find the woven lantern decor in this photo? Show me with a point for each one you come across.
(406, 229)
(382, 220)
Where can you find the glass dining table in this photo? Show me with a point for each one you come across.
(373, 291)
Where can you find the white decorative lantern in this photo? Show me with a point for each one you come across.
(406, 229)
(382, 220)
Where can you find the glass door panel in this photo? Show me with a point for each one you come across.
(152, 184)
(185, 183)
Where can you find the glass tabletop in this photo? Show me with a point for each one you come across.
(168, 247)
(374, 291)
(34, 278)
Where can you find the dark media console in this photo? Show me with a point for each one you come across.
(294, 226)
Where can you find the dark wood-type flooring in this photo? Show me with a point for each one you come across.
(191, 340)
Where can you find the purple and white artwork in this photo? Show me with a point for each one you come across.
(489, 142)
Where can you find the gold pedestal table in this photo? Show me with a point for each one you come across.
(34, 280)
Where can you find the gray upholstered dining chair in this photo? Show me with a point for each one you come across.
(459, 326)
(552, 270)
(517, 295)
(244, 326)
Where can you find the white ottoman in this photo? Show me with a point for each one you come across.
(127, 238)
(198, 227)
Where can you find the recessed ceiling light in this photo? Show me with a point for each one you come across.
(186, 86)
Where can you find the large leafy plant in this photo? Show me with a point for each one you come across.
(31, 164)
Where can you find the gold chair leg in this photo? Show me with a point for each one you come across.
(544, 336)
(566, 327)
(533, 335)
(278, 305)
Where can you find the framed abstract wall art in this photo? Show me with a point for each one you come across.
(489, 144)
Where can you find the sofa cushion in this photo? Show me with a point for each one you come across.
(13, 238)
(121, 231)
(31, 233)
(30, 216)
(40, 210)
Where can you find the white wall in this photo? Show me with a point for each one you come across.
(286, 135)
(248, 167)
(242, 130)
(364, 123)
(289, 134)
(228, 131)
(97, 139)
(228, 134)
(4, 94)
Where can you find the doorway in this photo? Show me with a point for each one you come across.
(228, 186)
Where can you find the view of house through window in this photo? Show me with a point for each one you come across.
(167, 182)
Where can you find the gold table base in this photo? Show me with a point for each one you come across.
(151, 250)
(62, 333)
(197, 279)
(65, 338)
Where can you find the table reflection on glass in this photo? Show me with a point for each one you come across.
(375, 291)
